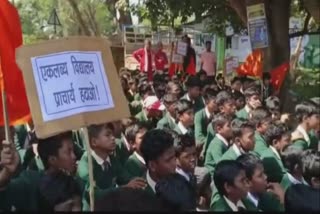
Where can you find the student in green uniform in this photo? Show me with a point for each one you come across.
(132, 90)
(136, 165)
(292, 161)
(253, 101)
(220, 143)
(136, 105)
(204, 117)
(108, 172)
(240, 100)
(311, 168)
(158, 152)
(175, 89)
(169, 119)
(263, 200)
(272, 103)
(185, 118)
(277, 138)
(193, 85)
(152, 111)
(231, 183)
(261, 118)
(22, 192)
(308, 116)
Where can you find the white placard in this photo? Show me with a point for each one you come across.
(176, 58)
(70, 83)
(182, 48)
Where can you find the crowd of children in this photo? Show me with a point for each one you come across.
(192, 144)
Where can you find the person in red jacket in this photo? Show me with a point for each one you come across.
(144, 57)
(160, 58)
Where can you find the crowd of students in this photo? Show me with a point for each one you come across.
(193, 144)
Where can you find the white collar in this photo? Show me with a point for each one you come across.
(247, 108)
(145, 114)
(237, 150)
(183, 129)
(189, 99)
(304, 133)
(233, 206)
(296, 181)
(222, 139)
(181, 172)
(140, 158)
(99, 160)
(275, 152)
(151, 182)
(125, 141)
(207, 112)
(253, 199)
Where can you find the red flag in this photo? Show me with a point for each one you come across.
(252, 66)
(278, 75)
(11, 79)
(191, 69)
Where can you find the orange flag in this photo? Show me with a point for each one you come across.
(191, 69)
(11, 80)
(252, 66)
(278, 75)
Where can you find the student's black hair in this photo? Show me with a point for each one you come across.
(132, 130)
(128, 199)
(292, 156)
(239, 125)
(219, 76)
(305, 109)
(170, 85)
(183, 106)
(238, 95)
(55, 189)
(186, 141)
(169, 98)
(250, 162)
(219, 120)
(144, 88)
(252, 91)
(225, 172)
(50, 146)
(275, 131)
(260, 115)
(210, 94)
(266, 76)
(235, 79)
(223, 97)
(176, 193)
(311, 165)
(154, 144)
(94, 130)
(272, 103)
(193, 81)
(208, 42)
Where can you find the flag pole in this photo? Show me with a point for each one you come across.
(90, 169)
(5, 116)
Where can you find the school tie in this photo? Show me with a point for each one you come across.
(106, 165)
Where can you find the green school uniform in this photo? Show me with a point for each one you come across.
(210, 135)
(260, 144)
(122, 152)
(273, 166)
(286, 182)
(242, 114)
(20, 136)
(22, 192)
(267, 202)
(135, 167)
(201, 122)
(105, 180)
(314, 144)
(166, 122)
(197, 103)
(178, 130)
(215, 151)
(230, 154)
(141, 116)
(221, 205)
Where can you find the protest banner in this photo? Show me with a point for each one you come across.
(177, 58)
(257, 26)
(182, 48)
(71, 83)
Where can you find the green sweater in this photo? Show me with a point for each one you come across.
(221, 205)
(122, 152)
(242, 114)
(166, 122)
(198, 103)
(273, 166)
(260, 144)
(105, 180)
(201, 122)
(135, 167)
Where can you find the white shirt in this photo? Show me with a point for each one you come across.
(99, 160)
(222, 139)
(181, 172)
(183, 129)
(189, 99)
(275, 152)
(125, 141)
(151, 182)
(233, 206)
(207, 112)
(296, 181)
(237, 150)
(140, 158)
(253, 199)
(247, 108)
(304, 133)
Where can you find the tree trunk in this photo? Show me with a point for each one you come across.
(82, 23)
